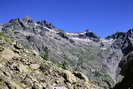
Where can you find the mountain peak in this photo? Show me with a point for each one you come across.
(46, 24)
(130, 33)
(27, 19)
(116, 35)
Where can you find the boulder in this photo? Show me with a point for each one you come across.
(69, 76)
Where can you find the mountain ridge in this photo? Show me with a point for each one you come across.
(96, 57)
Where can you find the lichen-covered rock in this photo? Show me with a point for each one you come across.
(18, 45)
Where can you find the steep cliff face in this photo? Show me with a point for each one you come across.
(124, 42)
(21, 68)
(98, 58)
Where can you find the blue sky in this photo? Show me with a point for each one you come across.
(104, 17)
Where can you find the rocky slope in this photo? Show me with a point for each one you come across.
(98, 58)
(21, 68)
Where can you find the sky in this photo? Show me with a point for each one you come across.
(104, 17)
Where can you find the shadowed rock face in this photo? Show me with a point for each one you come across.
(126, 66)
(124, 41)
(96, 57)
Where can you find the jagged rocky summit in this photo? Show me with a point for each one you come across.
(100, 59)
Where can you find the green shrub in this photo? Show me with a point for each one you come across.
(45, 55)
(6, 38)
(65, 63)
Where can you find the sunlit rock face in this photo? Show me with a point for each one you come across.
(98, 58)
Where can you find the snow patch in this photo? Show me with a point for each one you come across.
(71, 34)
(80, 39)
(51, 30)
(103, 48)
(110, 41)
(36, 24)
